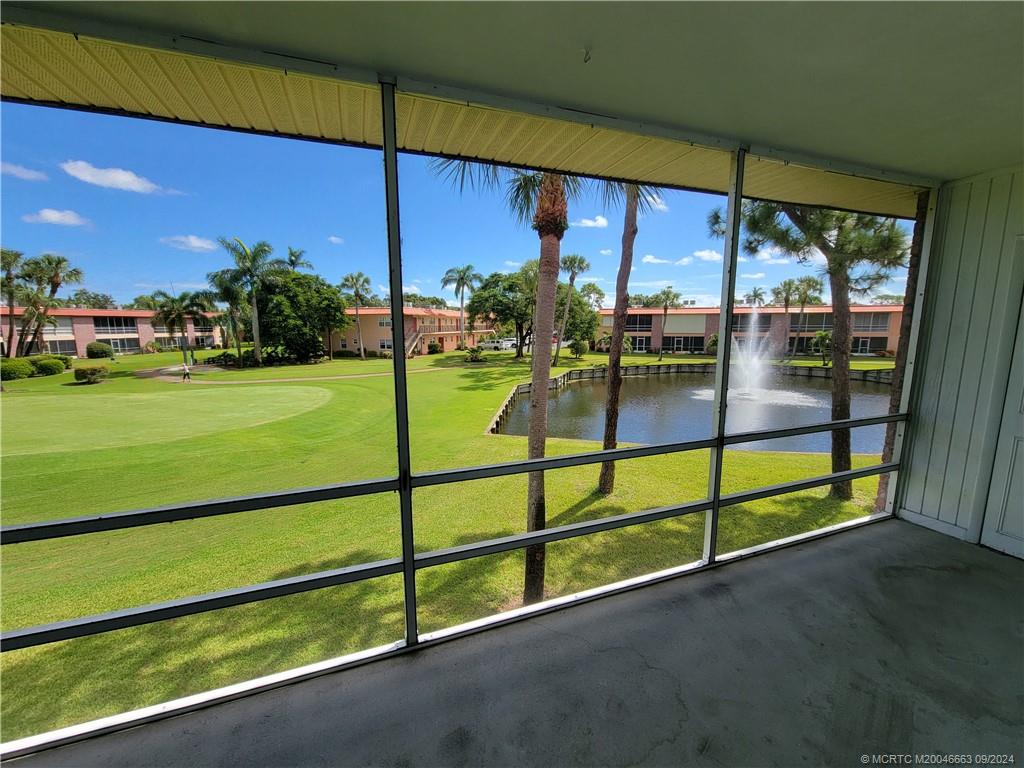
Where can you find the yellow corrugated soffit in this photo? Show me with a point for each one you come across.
(476, 132)
(55, 67)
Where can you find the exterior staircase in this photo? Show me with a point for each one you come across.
(411, 343)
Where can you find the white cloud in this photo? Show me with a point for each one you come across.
(513, 263)
(334, 239)
(410, 289)
(52, 216)
(171, 286)
(649, 283)
(742, 259)
(818, 258)
(685, 261)
(598, 221)
(771, 256)
(753, 275)
(708, 255)
(606, 251)
(656, 203)
(649, 259)
(111, 178)
(21, 172)
(382, 288)
(190, 243)
(588, 279)
(900, 279)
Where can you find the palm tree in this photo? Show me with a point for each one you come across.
(666, 298)
(462, 279)
(542, 199)
(808, 291)
(174, 312)
(253, 267)
(297, 259)
(574, 264)
(823, 343)
(755, 297)
(54, 271)
(11, 262)
(229, 292)
(636, 199)
(358, 285)
(783, 294)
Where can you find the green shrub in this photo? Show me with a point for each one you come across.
(48, 367)
(579, 347)
(338, 353)
(97, 349)
(475, 355)
(91, 374)
(711, 345)
(66, 359)
(15, 368)
(433, 348)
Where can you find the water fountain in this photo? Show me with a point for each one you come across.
(746, 375)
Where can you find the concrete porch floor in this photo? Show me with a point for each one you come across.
(884, 639)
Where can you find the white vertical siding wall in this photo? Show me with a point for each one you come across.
(972, 303)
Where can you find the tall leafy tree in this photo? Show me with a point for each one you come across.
(90, 300)
(573, 265)
(174, 312)
(636, 199)
(783, 295)
(11, 265)
(541, 199)
(667, 299)
(462, 279)
(296, 309)
(253, 267)
(225, 289)
(593, 295)
(755, 296)
(55, 271)
(358, 286)
(859, 252)
(297, 260)
(145, 301)
(505, 300)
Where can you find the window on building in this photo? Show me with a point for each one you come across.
(114, 324)
(683, 343)
(169, 341)
(871, 321)
(63, 327)
(744, 322)
(384, 322)
(61, 347)
(638, 322)
(120, 344)
(868, 345)
(812, 321)
(640, 343)
(384, 344)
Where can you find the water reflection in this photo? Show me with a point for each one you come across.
(677, 407)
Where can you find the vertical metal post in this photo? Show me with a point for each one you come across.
(913, 344)
(387, 95)
(729, 262)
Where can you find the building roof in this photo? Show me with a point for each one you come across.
(86, 312)
(407, 311)
(817, 308)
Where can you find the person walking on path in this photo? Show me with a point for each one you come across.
(186, 374)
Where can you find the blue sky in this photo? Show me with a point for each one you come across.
(139, 205)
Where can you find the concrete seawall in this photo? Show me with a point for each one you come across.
(881, 376)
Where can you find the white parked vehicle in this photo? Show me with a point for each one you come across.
(497, 344)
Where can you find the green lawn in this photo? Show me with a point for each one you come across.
(130, 442)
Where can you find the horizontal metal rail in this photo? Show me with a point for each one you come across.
(572, 530)
(131, 617)
(523, 466)
(743, 497)
(52, 529)
(188, 606)
(827, 426)
(75, 526)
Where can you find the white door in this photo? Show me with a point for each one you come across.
(1003, 527)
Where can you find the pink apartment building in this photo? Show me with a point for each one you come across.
(422, 326)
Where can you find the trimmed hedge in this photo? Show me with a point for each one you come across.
(97, 349)
(91, 374)
(48, 367)
(15, 368)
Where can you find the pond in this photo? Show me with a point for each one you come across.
(677, 407)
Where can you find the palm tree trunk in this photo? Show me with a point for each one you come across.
(256, 350)
(238, 336)
(359, 335)
(462, 317)
(799, 328)
(565, 316)
(10, 316)
(839, 281)
(26, 321)
(606, 482)
(903, 345)
(184, 345)
(536, 517)
(41, 321)
(664, 322)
